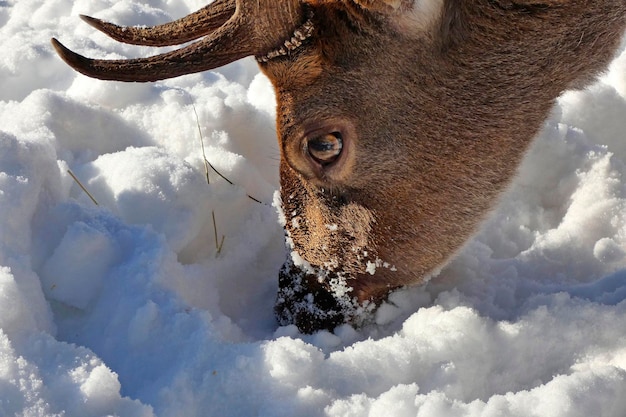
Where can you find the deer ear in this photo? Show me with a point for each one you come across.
(417, 16)
(385, 6)
(408, 16)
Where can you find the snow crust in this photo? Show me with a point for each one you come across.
(128, 308)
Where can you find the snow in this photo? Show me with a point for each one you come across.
(128, 308)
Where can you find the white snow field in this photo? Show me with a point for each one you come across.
(127, 308)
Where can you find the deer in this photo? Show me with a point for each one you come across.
(400, 123)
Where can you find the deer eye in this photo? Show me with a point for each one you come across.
(325, 149)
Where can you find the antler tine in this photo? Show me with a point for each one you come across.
(256, 27)
(199, 56)
(186, 29)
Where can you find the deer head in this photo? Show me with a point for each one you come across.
(400, 122)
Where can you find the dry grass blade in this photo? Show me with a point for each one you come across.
(218, 244)
(206, 161)
(82, 186)
(208, 165)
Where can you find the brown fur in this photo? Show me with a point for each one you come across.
(441, 120)
(435, 112)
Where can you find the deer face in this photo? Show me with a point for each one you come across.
(350, 166)
(399, 122)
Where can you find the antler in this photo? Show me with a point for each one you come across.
(233, 28)
(189, 28)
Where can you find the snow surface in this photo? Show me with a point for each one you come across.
(128, 308)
